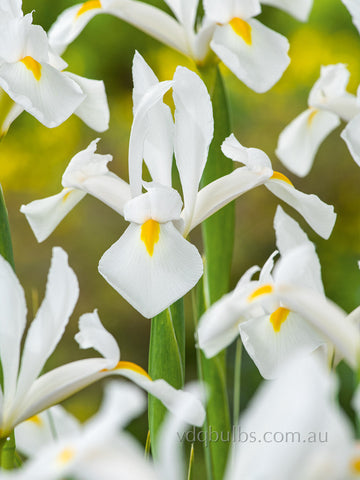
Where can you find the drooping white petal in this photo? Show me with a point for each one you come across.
(300, 10)
(70, 24)
(350, 135)
(47, 328)
(259, 60)
(94, 109)
(223, 12)
(194, 128)
(151, 20)
(92, 334)
(45, 215)
(225, 189)
(158, 146)
(354, 9)
(327, 318)
(270, 349)
(289, 235)
(44, 429)
(12, 324)
(51, 98)
(153, 272)
(138, 133)
(329, 92)
(218, 327)
(299, 142)
(9, 111)
(300, 401)
(319, 215)
(162, 204)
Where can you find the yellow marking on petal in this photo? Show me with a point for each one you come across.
(313, 112)
(263, 290)
(242, 29)
(282, 177)
(31, 64)
(36, 419)
(65, 456)
(90, 5)
(122, 365)
(355, 465)
(278, 317)
(67, 194)
(150, 233)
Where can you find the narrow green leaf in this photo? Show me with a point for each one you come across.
(8, 447)
(212, 371)
(218, 235)
(166, 360)
(5, 237)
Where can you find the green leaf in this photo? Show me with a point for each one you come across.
(166, 360)
(5, 237)
(218, 234)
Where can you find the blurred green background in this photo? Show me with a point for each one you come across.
(33, 159)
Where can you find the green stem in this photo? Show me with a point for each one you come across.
(237, 382)
(218, 236)
(166, 360)
(7, 457)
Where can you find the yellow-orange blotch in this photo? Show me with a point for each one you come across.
(242, 29)
(313, 112)
(263, 290)
(90, 5)
(122, 365)
(32, 65)
(282, 177)
(278, 317)
(150, 233)
(65, 456)
(36, 419)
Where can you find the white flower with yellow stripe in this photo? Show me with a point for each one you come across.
(153, 264)
(329, 102)
(24, 393)
(256, 54)
(32, 78)
(281, 314)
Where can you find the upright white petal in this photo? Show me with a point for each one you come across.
(92, 334)
(329, 92)
(289, 235)
(299, 142)
(12, 324)
(256, 54)
(139, 131)
(158, 147)
(319, 215)
(185, 12)
(45, 215)
(151, 277)
(94, 109)
(300, 10)
(47, 328)
(194, 128)
(12, 6)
